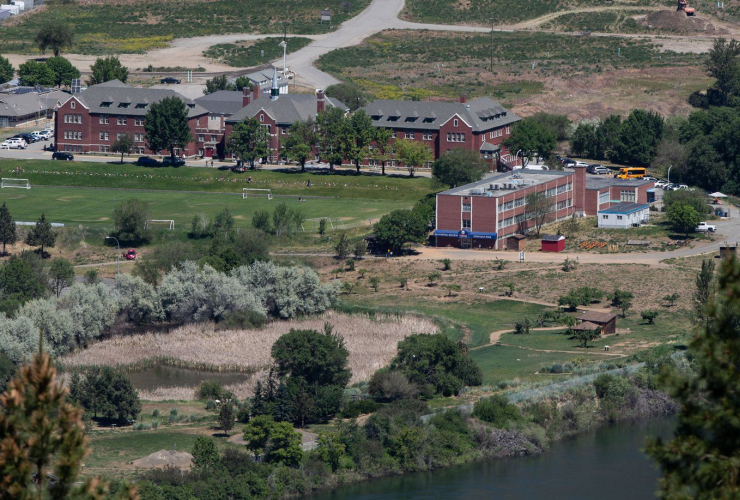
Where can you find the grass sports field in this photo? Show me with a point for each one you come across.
(94, 207)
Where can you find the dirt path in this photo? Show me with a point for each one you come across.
(496, 336)
(601, 353)
(539, 21)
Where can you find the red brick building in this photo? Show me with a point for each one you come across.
(485, 214)
(92, 120)
(478, 125)
(279, 114)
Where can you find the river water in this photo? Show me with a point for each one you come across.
(603, 464)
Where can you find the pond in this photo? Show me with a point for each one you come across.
(149, 379)
(604, 464)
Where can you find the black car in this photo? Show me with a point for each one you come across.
(145, 161)
(169, 79)
(178, 162)
(62, 155)
(30, 139)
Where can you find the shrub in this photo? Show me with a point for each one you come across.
(242, 320)
(447, 264)
(356, 407)
(649, 316)
(497, 411)
(105, 392)
(138, 299)
(209, 389)
(392, 385)
(155, 413)
(210, 405)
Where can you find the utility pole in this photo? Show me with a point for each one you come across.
(492, 19)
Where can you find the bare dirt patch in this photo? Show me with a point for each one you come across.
(165, 458)
(679, 22)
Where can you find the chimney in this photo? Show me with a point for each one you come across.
(246, 97)
(320, 101)
(463, 98)
(256, 92)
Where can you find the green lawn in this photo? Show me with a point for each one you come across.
(94, 207)
(342, 184)
(123, 27)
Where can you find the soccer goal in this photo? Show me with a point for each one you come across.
(313, 224)
(256, 193)
(15, 183)
(169, 223)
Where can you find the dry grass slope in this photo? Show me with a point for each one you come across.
(371, 343)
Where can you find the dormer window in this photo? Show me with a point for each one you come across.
(105, 104)
(393, 118)
(141, 105)
(411, 119)
(124, 105)
(377, 117)
(429, 120)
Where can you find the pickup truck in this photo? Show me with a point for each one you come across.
(703, 227)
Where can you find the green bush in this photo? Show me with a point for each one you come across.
(497, 411)
(209, 389)
(356, 407)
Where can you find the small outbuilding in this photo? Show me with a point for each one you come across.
(553, 243)
(624, 215)
(607, 322)
(588, 326)
(516, 242)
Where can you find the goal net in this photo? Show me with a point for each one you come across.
(256, 193)
(313, 224)
(168, 223)
(15, 183)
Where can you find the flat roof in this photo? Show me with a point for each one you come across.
(599, 182)
(507, 182)
(625, 208)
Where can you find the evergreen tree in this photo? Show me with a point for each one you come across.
(205, 455)
(41, 235)
(42, 433)
(61, 274)
(283, 409)
(701, 461)
(8, 234)
(704, 288)
(226, 416)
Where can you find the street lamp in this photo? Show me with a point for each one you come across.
(669, 174)
(118, 257)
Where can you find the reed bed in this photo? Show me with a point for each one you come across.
(371, 342)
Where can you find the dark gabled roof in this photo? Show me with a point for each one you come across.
(586, 326)
(597, 317)
(222, 102)
(601, 182)
(481, 114)
(488, 147)
(286, 110)
(117, 98)
(552, 237)
(29, 103)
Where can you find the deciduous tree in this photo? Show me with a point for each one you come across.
(684, 218)
(105, 69)
(205, 455)
(300, 142)
(6, 70)
(64, 71)
(398, 228)
(166, 126)
(130, 217)
(639, 136)
(215, 84)
(33, 73)
(413, 154)
(459, 166)
(61, 274)
(362, 132)
(249, 141)
(332, 133)
(538, 208)
(106, 392)
(383, 150)
(54, 34)
(123, 144)
(348, 94)
(531, 136)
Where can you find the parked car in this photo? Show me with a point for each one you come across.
(169, 79)
(5, 145)
(649, 178)
(580, 164)
(676, 187)
(130, 255)
(45, 134)
(167, 160)
(16, 143)
(146, 161)
(703, 227)
(598, 169)
(661, 184)
(62, 155)
(567, 162)
(29, 138)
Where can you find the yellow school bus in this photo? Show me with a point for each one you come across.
(631, 173)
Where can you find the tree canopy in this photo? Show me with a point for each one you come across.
(399, 227)
(105, 392)
(300, 141)
(64, 71)
(8, 234)
(413, 154)
(166, 125)
(54, 34)
(123, 144)
(33, 73)
(129, 218)
(249, 141)
(348, 94)
(532, 137)
(6, 70)
(459, 166)
(105, 69)
(41, 235)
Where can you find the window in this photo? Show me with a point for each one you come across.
(409, 135)
(214, 138)
(377, 117)
(519, 202)
(103, 119)
(411, 119)
(393, 135)
(284, 130)
(73, 104)
(551, 192)
(619, 217)
(564, 204)
(141, 105)
(262, 118)
(605, 217)
(118, 135)
(455, 122)
(121, 120)
(508, 130)
(627, 196)
(603, 197)
(429, 120)
(466, 224)
(103, 136)
(505, 206)
(105, 104)
(138, 122)
(201, 138)
(138, 137)
(467, 207)
(427, 136)
(393, 118)
(124, 105)
(139, 150)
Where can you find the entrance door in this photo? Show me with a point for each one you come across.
(466, 242)
(209, 152)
